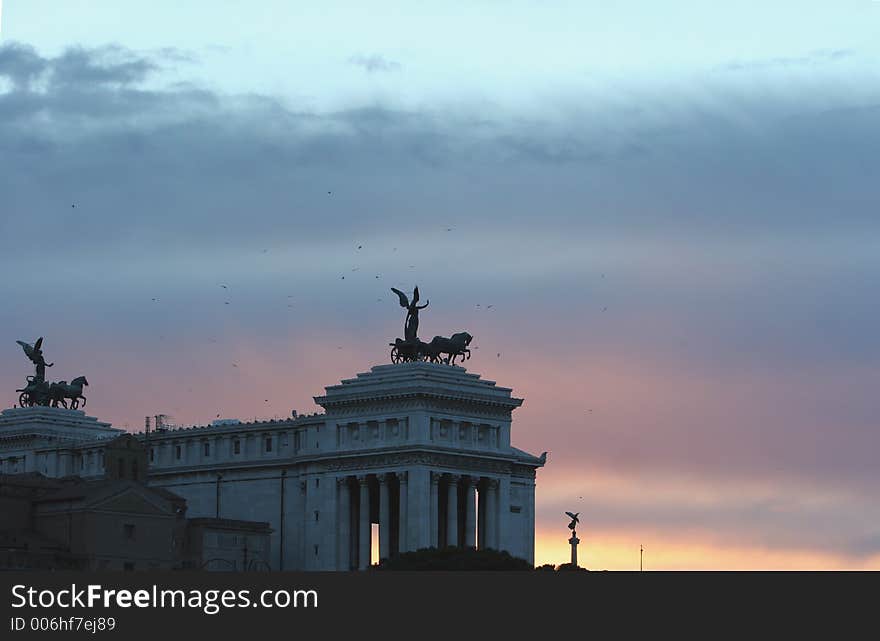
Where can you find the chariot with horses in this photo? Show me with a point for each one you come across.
(38, 391)
(410, 349)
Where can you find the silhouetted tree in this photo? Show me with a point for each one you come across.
(453, 558)
(568, 567)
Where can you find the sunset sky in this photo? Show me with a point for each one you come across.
(671, 207)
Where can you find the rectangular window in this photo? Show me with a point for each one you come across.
(268, 443)
(177, 452)
(317, 514)
(128, 530)
(207, 449)
(236, 447)
(121, 463)
(152, 454)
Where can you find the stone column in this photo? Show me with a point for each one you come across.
(344, 524)
(384, 517)
(470, 519)
(403, 536)
(364, 528)
(452, 511)
(435, 507)
(573, 542)
(492, 514)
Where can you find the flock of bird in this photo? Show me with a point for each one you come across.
(478, 306)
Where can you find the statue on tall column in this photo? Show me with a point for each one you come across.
(574, 540)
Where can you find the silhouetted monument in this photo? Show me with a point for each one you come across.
(39, 391)
(411, 348)
(574, 540)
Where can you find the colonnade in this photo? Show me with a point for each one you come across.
(463, 511)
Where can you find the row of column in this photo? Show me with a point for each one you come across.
(480, 518)
(359, 555)
(357, 500)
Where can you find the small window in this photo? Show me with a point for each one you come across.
(128, 567)
(317, 482)
(134, 469)
(82, 462)
(236, 447)
(121, 463)
(316, 549)
(128, 530)
(317, 515)
(177, 452)
(268, 443)
(152, 454)
(207, 449)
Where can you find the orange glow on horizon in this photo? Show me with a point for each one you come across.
(620, 551)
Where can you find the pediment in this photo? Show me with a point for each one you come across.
(132, 500)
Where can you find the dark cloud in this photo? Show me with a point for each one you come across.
(21, 64)
(374, 63)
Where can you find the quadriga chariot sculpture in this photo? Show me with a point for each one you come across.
(440, 350)
(39, 391)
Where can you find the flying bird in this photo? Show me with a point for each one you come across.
(224, 286)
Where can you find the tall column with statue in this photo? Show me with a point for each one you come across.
(574, 540)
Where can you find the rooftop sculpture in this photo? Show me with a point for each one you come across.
(410, 348)
(38, 391)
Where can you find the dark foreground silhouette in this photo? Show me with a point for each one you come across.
(454, 558)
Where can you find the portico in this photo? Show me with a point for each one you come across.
(384, 498)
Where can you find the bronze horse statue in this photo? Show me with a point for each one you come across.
(454, 346)
(61, 391)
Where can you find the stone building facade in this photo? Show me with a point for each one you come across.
(421, 449)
